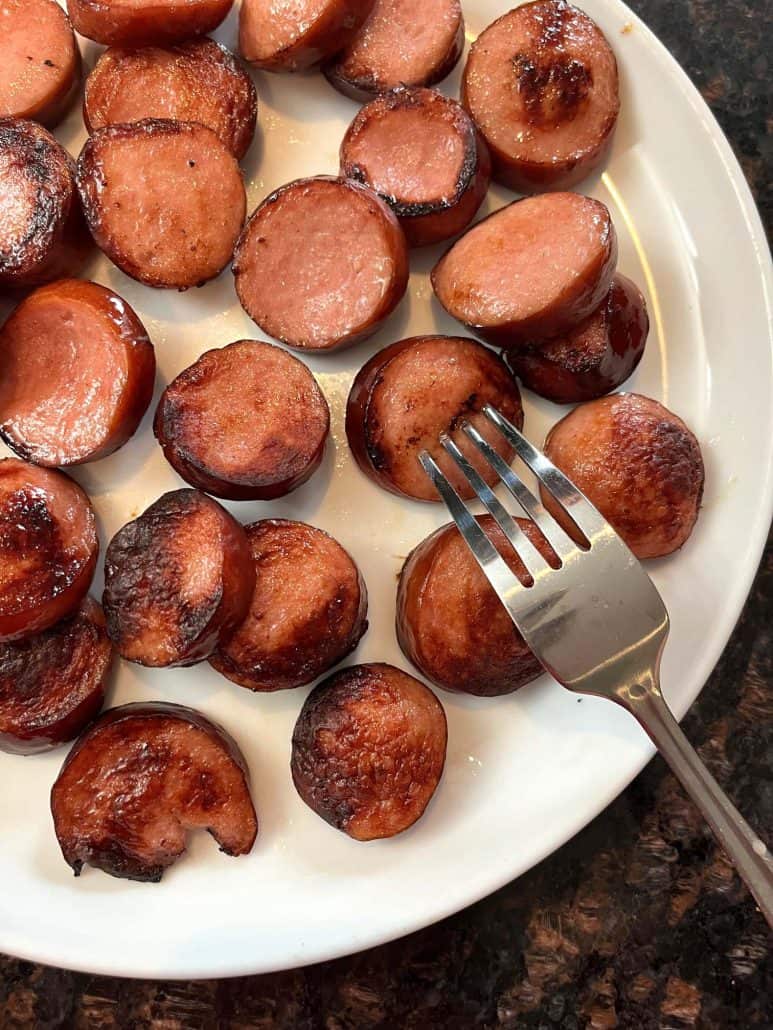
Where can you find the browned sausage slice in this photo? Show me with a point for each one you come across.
(401, 44)
(308, 610)
(139, 779)
(593, 359)
(422, 154)
(164, 200)
(530, 271)
(410, 393)
(48, 548)
(246, 422)
(76, 374)
(146, 22)
(321, 264)
(288, 37)
(541, 84)
(40, 63)
(53, 684)
(178, 581)
(638, 463)
(197, 81)
(42, 232)
(368, 750)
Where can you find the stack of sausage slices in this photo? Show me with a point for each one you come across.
(276, 604)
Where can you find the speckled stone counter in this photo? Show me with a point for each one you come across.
(639, 922)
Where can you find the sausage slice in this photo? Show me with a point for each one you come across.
(178, 581)
(246, 422)
(401, 44)
(76, 374)
(39, 59)
(42, 232)
(282, 37)
(53, 684)
(321, 264)
(197, 81)
(530, 271)
(48, 548)
(638, 463)
(413, 391)
(163, 199)
(308, 611)
(541, 84)
(134, 23)
(593, 359)
(421, 153)
(139, 779)
(368, 750)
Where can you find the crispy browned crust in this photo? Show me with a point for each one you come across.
(144, 24)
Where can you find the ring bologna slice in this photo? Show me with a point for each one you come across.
(421, 153)
(42, 232)
(321, 264)
(287, 37)
(178, 581)
(139, 779)
(48, 548)
(53, 684)
(308, 610)
(413, 391)
(541, 84)
(163, 199)
(76, 374)
(593, 359)
(403, 43)
(368, 750)
(40, 61)
(134, 23)
(638, 463)
(530, 271)
(245, 422)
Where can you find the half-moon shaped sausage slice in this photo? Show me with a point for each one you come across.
(163, 199)
(541, 84)
(308, 610)
(48, 548)
(139, 780)
(53, 684)
(134, 23)
(368, 750)
(178, 581)
(415, 390)
(246, 422)
(421, 153)
(530, 271)
(76, 374)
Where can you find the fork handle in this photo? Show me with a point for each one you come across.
(748, 853)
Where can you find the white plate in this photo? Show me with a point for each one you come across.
(524, 772)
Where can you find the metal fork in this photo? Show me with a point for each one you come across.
(597, 624)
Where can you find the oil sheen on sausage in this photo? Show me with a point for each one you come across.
(135, 23)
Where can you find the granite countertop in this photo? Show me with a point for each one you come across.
(639, 922)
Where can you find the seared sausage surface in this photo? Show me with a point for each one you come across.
(368, 750)
(321, 263)
(246, 422)
(134, 23)
(421, 153)
(308, 610)
(411, 392)
(541, 84)
(530, 271)
(287, 37)
(139, 779)
(196, 81)
(163, 199)
(178, 581)
(53, 684)
(76, 374)
(638, 463)
(48, 548)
